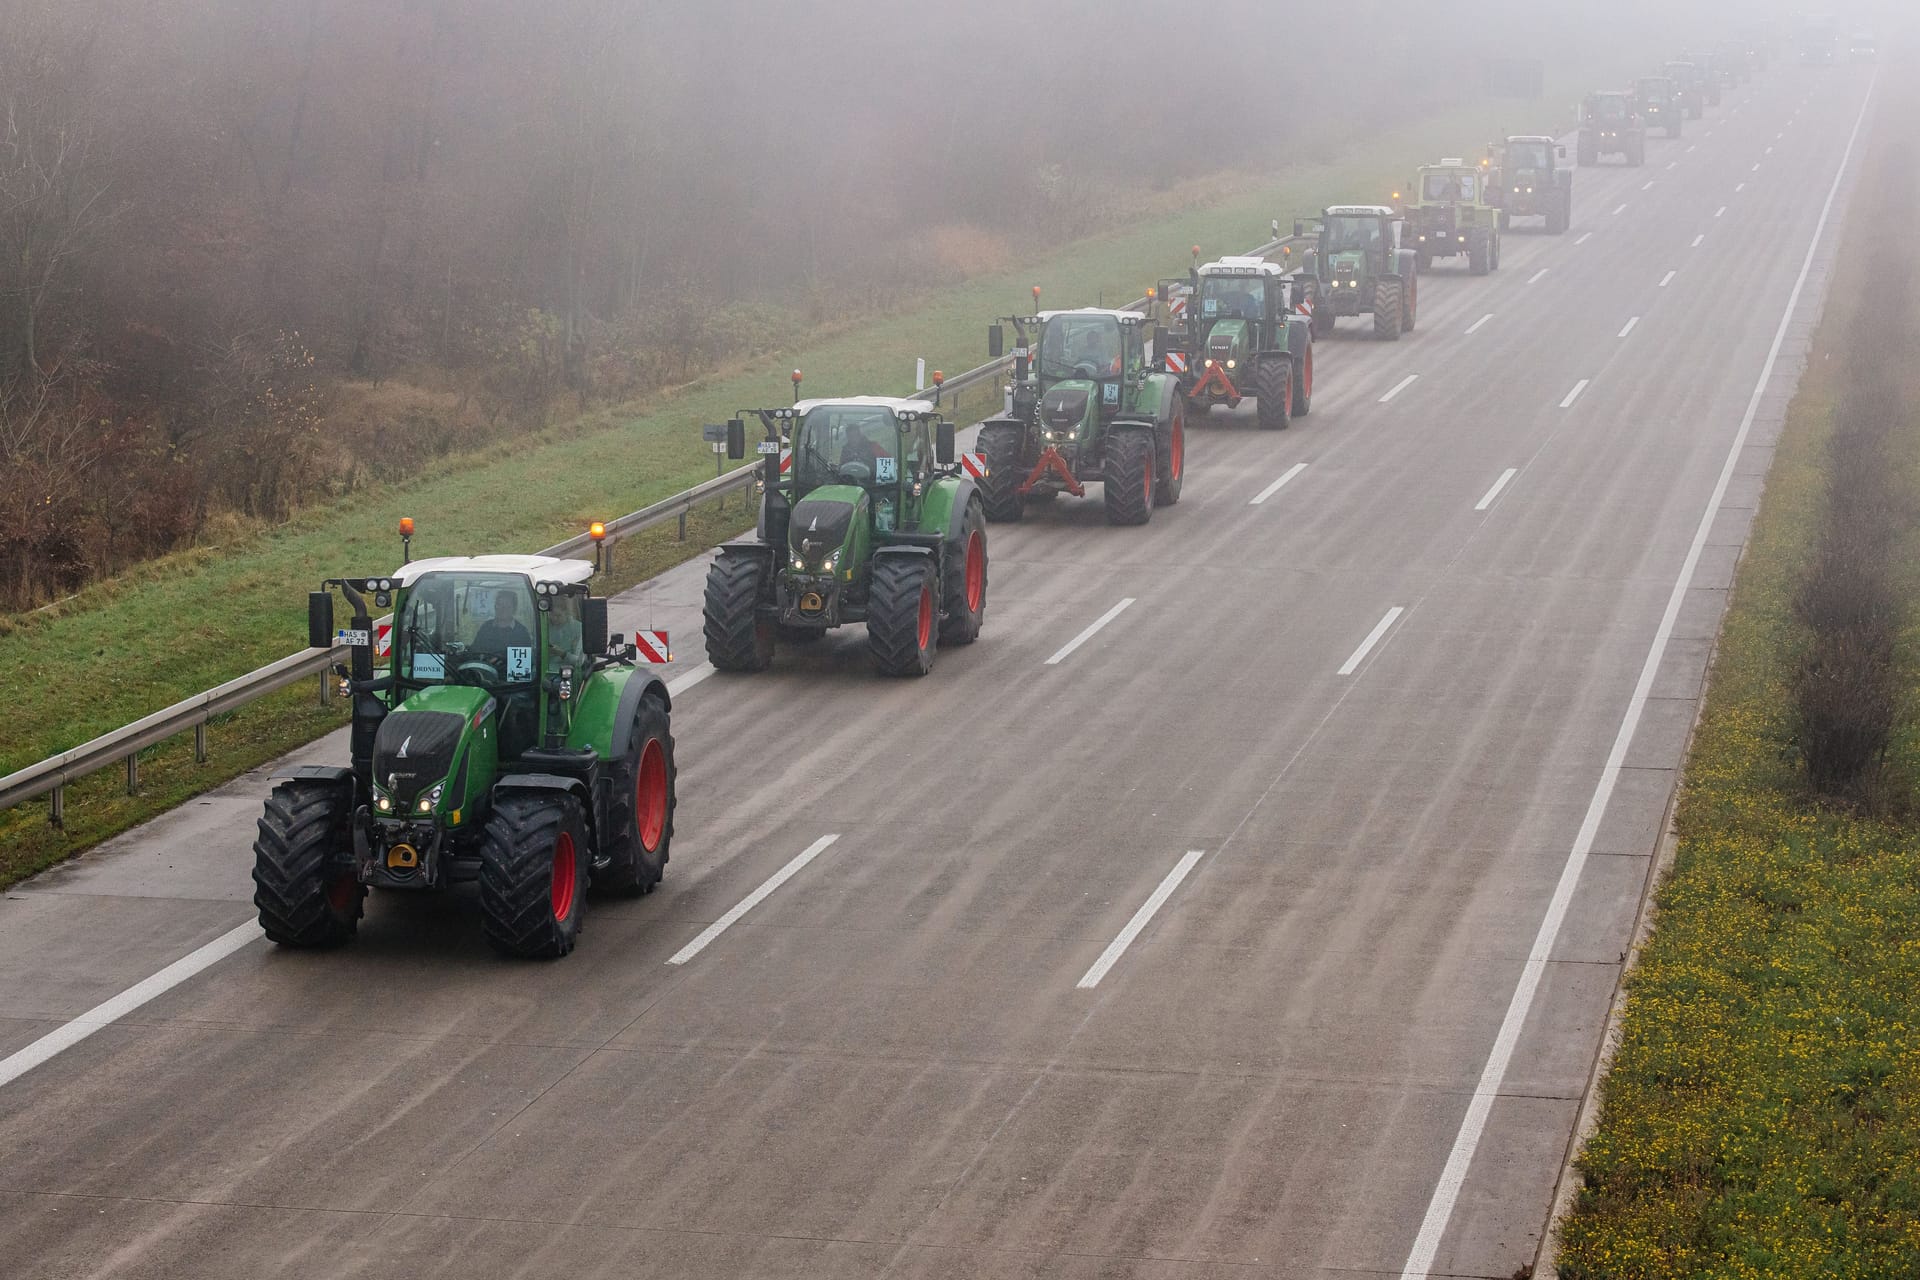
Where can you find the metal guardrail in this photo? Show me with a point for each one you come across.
(53, 774)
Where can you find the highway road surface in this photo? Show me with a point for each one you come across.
(1247, 902)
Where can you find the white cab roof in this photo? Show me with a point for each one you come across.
(1093, 311)
(1360, 211)
(536, 568)
(893, 404)
(1240, 266)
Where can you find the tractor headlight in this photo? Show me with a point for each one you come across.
(799, 563)
(430, 799)
(382, 801)
(832, 562)
(1233, 364)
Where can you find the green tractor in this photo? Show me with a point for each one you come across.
(1242, 329)
(1361, 264)
(1662, 105)
(509, 741)
(1450, 214)
(1084, 407)
(868, 518)
(1698, 76)
(1611, 125)
(1525, 180)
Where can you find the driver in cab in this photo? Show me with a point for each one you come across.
(1092, 346)
(868, 440)
(503, 630)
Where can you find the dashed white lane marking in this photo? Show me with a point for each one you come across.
(1690, 150)
(1631, 325)
(1088, 634)
(752, 900)
(1118, 947)
(1739, 187)
(1453, 1174)
(1672, 165)
(1584, 238)
(1274, 488)
(1400, 386)
(1498, 485)
(1649, 185)
(1539, 275)
(1380, 628)
(1721, 212)
(1574, 394)
(1667, 279)
(1698, 240)
(1622, 209)
(1476, 325)
(1755, 169)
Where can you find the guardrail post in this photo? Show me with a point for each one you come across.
(57, 810)
(683, 524)
(200, 743)
(133, 774)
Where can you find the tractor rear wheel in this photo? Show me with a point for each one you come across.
(1389, 310)
(534, 856)
(963, 591)
(1587, 155)
(1171, 447)
(633, 856)
(1410, 309)
(1002, 444)
(1273, 392)
(1496, 251)
(1303, 383)
(1127, 479)
(304, 882)
(903, 615)
(738, 638)
(1559, 216)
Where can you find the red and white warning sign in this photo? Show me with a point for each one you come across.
(974, 464)
(383, 640)
(1176, 362)
(786, 461)
(653, 647)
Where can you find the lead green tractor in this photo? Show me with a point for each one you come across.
(1084, 407)
(1237, 330)
(1450, 215)
(1362, 263)
(508, 741)
(866, 516)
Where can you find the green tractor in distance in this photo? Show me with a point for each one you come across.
(1697, 73)
(1449, 214)
(1525, 180)
(1610, 125)
(1361, 264)
(1661, 104)
(1084, 407)
(510, 742)
(1241, 331)
(873, 521)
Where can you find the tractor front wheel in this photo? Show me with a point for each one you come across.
(1324, 317)
(1479, 254)
(1003, 446)
(738, 638)
(1127, 479)
(303, 876)
(1171, 446)
(1389, 310)
(633, 856)
(533, 874)
(963, 590)
(1273, 392)
(1303, 383)
(903, 617)
(1410, 300)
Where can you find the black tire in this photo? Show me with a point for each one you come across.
(1273, 392)
(1506, 220)
(963, 587)
(1424, 257)
(1003, 444)
(1495, 261)
(1324, 318)
(903, 615)
(1389, 310)
(1410, 308)
(1303, 382)
(1637, 155)
(738, 638)
(1170, 457)
(1127, 478)
(1587, 156)
(633, 855)
(1479, 254)
(1559, 217)
(1675, 129)
(534, 857)
(303, 875)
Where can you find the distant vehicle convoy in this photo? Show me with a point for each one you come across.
(510, 741)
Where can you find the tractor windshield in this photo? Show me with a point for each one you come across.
(847, 444)
(1447, 186)
(1241, 297)
(1349, 232)
(1610, 108)
(467, 628)
(1529, 155)
(1654, 92)
(1080, 347)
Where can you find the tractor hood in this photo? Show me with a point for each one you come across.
(420, 741)
(1068, 408)
(1347, 261)
(1229, 340)
(823, 520)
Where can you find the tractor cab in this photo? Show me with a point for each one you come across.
(1449, 213)
(1356, 241)
(1659, 101)
(1689, 88)
(1076, 370)
(869, 453)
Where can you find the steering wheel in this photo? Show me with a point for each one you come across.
(1086, 369)
(856, 472)
(484, 670)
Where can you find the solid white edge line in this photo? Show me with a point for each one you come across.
(1539, 275)
(1274, 488)
(1475, 326)
(687, 679)
(1630, 326)
(1667, 279)
(111, 1010)
(1498, 485)
(1453, 1174)
(1583, 239)
(1088, 634)
(1574, 394)
(1352, 664)
(1400, 386)
(1118, 947)
(752, 900)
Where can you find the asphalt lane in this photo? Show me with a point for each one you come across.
(889, 1066)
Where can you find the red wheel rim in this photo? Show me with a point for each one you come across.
(1146, 481)
(1179, 459)
(341, 893)
(564, 873)
(1309, 377)
(1287, 399)
(926, 615)
(650, 796)
(976, 571)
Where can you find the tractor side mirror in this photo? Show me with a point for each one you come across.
(996, 341)
(736, 439)
(593, 625)
(943, 448)
(319, 619)
(1299, 229)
